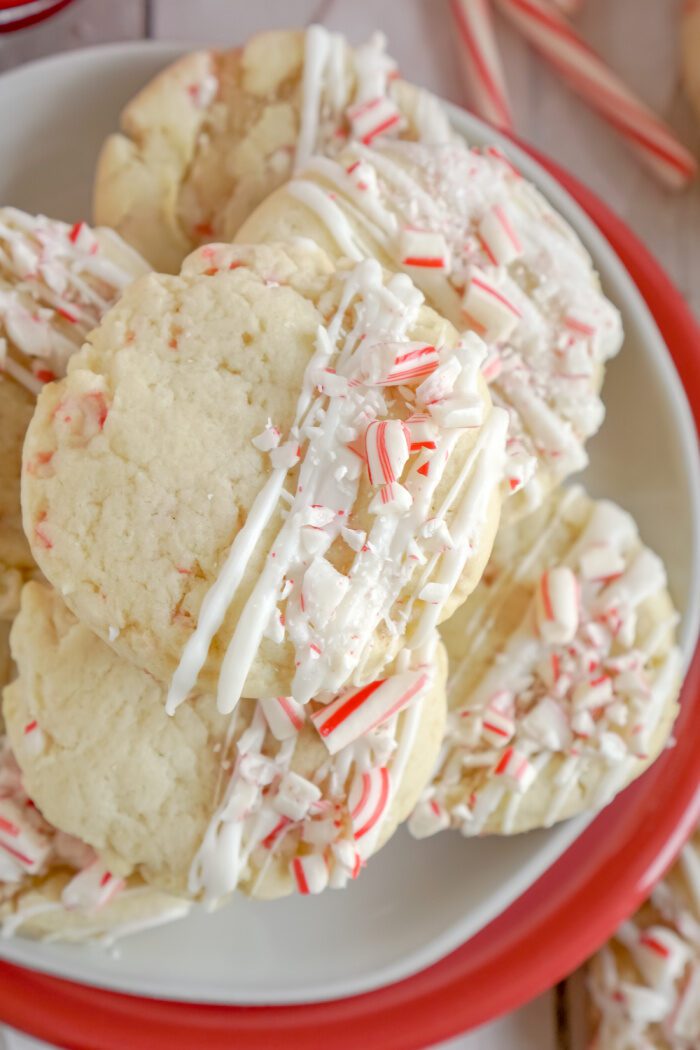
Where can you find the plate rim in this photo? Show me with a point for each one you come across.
(684, 322)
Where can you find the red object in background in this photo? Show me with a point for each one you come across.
(18, 14)
(544, 935)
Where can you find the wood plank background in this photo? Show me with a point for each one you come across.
(639, 38)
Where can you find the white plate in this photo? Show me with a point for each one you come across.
(417, 900)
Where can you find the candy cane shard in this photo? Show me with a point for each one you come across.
(284, 716)
(515, 767)
(368, 800)
(19, 840)
(498, 726)
(310, 873)
(375, 117)
(428, 818)
(92, 888)
(660, 954)
(550, 33)
(499, 237)
(422, 432)
(407, 362)
(556, 606)
(481, 63)
(387, 448)
(489, 310)
(356, 712)
(423, 249)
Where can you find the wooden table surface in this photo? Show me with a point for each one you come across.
(638, 38)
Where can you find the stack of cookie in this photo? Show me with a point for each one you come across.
(275, 465)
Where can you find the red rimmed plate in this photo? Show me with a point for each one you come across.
(549, 929)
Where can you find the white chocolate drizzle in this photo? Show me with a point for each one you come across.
(356, 376)
(318, 832)
(574, 688)
(538, 304)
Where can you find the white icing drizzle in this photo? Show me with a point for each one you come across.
(56, 282)
(547, 365)
(340, 85)
(593, 696)
(645, 985)
(331, 618)
(268, 816)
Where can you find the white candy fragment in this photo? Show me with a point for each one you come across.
(428, 818)
(92, 888)
(284, 716)
(499, 237)
(515, 769)
(486, 307)
(601, 562)
(556, 606)
(268, 439)
(294, 796)
(323, 590)
(310, 873)
(423, 249)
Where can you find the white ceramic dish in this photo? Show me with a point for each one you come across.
(417, 901)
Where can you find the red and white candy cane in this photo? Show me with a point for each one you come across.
(19, 840)
(498, 726)
(375, 117)
(481, 62)
(284, 716)
(661, 955)
(355, 713)
(423, 432)
(556, 605)
(516, 769)
(410, 362)
(593, 692)
(92, 888)
(487, 309)
(550, 33)
(423, 249)
(387, 448)
(310, 873)
(428, 817)
(499, 237)
(368, 800)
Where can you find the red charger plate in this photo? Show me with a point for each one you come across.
(564, 917)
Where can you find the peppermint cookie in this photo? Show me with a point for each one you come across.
(266, 470)
(217, 131)
(564, 674)
(491, 255)
(56, 281)
(278, 797)
(54, 886)
(644, 984)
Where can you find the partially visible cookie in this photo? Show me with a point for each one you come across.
(56, 281)
(564, 676)
(214, 133)
(644, 985)
(16, 562)
(53, 886)
(268, 471)
(491, 255)
(279, 798)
